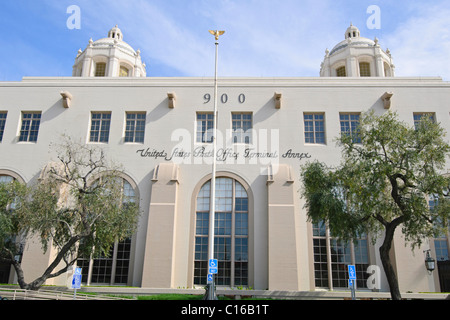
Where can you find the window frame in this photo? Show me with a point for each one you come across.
(3, 116)
(204, 127)
(100, 72)
(30, 125)
(365, 69)
(117, 267)
(328, 271)
(417, 117)
(231, 218)
(241, 128)
(135, 128)
(315, 131)
(352, 125)
(99, 126)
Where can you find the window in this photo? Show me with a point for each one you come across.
(418, 116)
(2, 124)
(30, 126)
(100, 69)
(340, 72)
(314, 128)
(205, 125)
(342, 254)
(441, 240)
(100, 123)
(230, 233)
(123, 72)
(135, 127)
(349, 125)
(242, 127)
(364, 69)
(114, 268)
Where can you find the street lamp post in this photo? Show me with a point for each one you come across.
(210, 294)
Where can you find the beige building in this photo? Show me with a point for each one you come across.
(159, 129)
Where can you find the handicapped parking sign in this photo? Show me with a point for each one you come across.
(76, 280)
(213, 266)
(351, 272)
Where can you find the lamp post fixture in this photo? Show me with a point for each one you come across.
(210, 288)
(429, 262)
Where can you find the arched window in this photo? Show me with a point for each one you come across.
(100, 69)
(123, 72)
(114, 268)
(6, 179)
(340, 72)
(364, 69)
(230, 233)
(6, 269)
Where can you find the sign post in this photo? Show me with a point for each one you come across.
(352, 280)
(76, 282)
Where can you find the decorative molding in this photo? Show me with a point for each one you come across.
(278, 97)
(67, 99)
(172, 98)
(386, 97)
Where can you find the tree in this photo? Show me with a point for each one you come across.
(77, 207)
(388, 172)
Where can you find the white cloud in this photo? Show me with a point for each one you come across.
(421, 45)
(263, 37)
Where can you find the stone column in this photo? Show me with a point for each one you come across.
(283, 246)
(159, 258)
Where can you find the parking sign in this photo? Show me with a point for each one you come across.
(213, 266)
(76, 280)
(351, 272)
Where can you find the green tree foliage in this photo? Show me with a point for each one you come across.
(383, 183)
(77, 207)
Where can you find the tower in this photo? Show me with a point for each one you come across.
(109, 57)
(357, 56)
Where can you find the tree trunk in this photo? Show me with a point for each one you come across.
(38, 282)
(386, 261)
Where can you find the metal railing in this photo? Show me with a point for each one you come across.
(22, 294)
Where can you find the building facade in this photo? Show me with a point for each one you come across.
(159, 130)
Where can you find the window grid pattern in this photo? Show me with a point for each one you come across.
(342, 254)
(123, 72)
(441, 249)
(205, 126)
(230, 233)
(441, 240)
(364, 69)
(30, 126)
(349, 125)
(114, 268)
(135, 127)
(123, 261)
(314, 128)
(242, 127)
(100, 125)
(419, 116)
(340, 72)
(2, 124)
(100, 69)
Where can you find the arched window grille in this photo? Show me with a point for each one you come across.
(230, 233)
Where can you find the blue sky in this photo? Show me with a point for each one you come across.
(264, 38)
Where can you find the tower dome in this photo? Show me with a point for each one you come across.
(109, 57)
(352, 32)
(357, 56)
